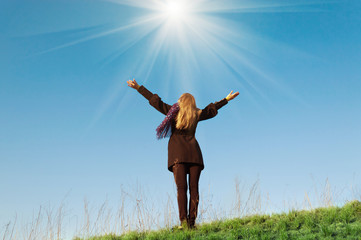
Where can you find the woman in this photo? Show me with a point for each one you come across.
(184, 154)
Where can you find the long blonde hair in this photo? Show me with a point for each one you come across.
(188, 112)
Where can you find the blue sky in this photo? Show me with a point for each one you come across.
(71, 128)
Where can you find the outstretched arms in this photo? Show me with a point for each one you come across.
(208, 112)
(153, 99)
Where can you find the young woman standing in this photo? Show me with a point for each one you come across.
(184, 154)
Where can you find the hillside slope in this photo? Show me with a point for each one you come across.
(322, 223)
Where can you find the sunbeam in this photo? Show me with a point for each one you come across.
(191, 30)
(175, 10)
(189, 39)
(103, 34)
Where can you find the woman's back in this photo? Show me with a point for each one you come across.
(184, 154)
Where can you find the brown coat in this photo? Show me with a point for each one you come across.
(182, 146)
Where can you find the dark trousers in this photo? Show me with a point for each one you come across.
(180, 172)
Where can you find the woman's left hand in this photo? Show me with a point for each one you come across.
(232, 95)
(133, 84)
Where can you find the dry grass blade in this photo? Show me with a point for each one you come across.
(136, 210)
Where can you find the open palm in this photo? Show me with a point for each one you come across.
(232, 95)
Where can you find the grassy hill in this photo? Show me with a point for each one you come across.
(322, 223)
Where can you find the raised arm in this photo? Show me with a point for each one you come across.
(153, 99)
(212, 109)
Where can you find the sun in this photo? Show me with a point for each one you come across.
(175, 10)
(189, 38)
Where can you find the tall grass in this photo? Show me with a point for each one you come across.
(137, 212)
(321, 223)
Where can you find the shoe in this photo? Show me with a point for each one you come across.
(183, 226)
(191, 224)
(192, 227)
(178, 228)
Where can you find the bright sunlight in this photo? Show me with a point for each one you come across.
(175, 10)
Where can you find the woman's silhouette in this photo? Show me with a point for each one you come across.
(184, 154)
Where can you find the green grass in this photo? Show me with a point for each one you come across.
(322, 223)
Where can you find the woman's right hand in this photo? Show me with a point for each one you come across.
(232, 95)
(133, 84)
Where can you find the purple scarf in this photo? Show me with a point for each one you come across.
(163, 128)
